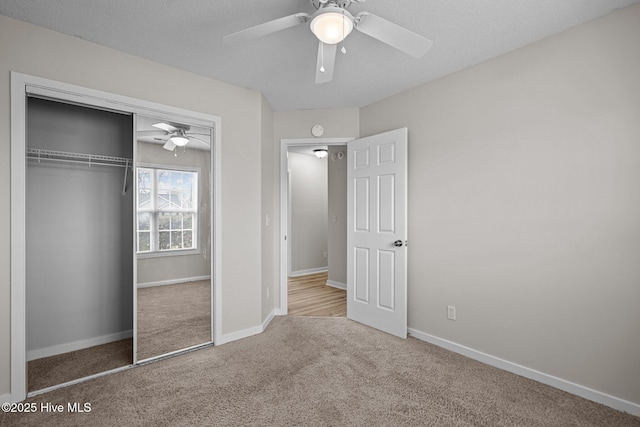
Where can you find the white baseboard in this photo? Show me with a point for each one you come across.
(238, 335)
(77, 345)
(568, 386)
(280, 312)
(5, 398)
(308, 271)
(172, 281)
(245, 333)
(268, 320)
(338, 285)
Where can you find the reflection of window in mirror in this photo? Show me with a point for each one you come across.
(167, 210)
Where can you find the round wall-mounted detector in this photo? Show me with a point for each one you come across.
(317, 130)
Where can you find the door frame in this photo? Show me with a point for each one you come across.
(284, 209)
(21, 86)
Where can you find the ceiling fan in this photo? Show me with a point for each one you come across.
(331, 23)
(174, 135)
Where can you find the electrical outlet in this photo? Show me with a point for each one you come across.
(451, 312)
(268, 293)
(325, 255)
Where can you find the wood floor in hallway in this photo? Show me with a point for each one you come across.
(310, 296)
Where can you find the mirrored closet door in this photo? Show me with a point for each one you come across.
(173, 192)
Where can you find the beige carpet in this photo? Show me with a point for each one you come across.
(320, 371)
(173, 317)
(54, 370)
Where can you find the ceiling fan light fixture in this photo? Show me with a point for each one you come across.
(180, 139)
(332, 24)
(321, 153)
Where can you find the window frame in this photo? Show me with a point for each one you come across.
(154, 213)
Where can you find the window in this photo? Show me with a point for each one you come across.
(167, 210)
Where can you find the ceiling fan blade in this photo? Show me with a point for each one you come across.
(165, 127)
(394, 35)
(145, 133)
(326, 61)
(266, 28)
(169, 145)
(152, 139)
(198, 139)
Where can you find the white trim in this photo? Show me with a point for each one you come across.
(284, 207)
(174, 353)
(59, 91)
(18, 238)
(559, 383)
(23, 84)
(172, 281)
(216, 230)
(5, 398)
(134, 245)
(54, 350)
(245, 333)
(168, 253)
(308, 271)
(238, 335)
(268, 320)
(337, 285)
(80, 380)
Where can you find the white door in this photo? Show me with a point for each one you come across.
(377, 231)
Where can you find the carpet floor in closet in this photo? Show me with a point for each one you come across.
(170, 318)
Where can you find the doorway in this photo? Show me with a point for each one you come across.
(313, 231)
(376, 229)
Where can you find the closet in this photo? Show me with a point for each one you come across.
(115, 238)
(79, 241)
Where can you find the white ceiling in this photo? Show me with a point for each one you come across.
(187, 34)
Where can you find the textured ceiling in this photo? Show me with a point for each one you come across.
(187, 34)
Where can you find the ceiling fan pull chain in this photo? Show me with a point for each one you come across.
(322, 57)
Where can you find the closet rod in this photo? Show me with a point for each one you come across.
(88, 159)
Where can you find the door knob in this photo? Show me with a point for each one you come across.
(397, 243)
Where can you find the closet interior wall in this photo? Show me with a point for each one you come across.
(79, 231)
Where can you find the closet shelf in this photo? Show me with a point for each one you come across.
(89, 159)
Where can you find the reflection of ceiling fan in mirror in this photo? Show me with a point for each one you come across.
(331, 23)
(173, 135)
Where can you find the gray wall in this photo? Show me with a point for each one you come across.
(308, 215)
(524, 204)
(177, 267)
(79, 228)
(337, 205)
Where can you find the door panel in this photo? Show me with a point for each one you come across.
(386, 279)
(386, 204)
(377, 198)
(362, 204)
(361, 279)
